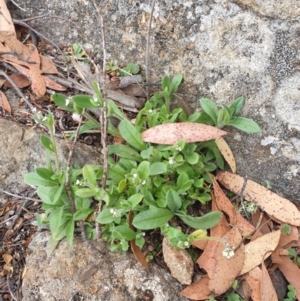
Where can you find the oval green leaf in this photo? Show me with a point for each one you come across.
(206, 221)
(152, 218)
(131, 135)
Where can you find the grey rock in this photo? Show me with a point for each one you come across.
(92, 274)
(225, 49)
(21, 152)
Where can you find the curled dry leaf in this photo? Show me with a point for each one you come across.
(207, 260)
(134, 90)
(20, 80)
(198, 290)
(125, 100)
(288, 267)
(224, 204)
(47, 65)
(218, 231)
(256, 250)
(124, 81)
(227, 269)
(276, 206)
(253, 278)
(37, 82)
(171, 133)
(4, 103)
(135, 249)
(226, 152)
(6, 23)
(52, 84)
(34, 56)
(23, 52)
(267, 289)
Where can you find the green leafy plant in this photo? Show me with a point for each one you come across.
(130, 69)
(111, 66)
(294, 256)
(226, 116)
(149, 186)
(50, 183)
(291, 294)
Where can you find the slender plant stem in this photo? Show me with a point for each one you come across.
(103, 116)
(148, 46)
(51, 131)
(67, 183)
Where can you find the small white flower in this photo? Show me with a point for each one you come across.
(167, 225)
(251, 208)
(77, 182)
(68, 101)
(186, 244)
(112, 211)
(150, 111)
(171, 161)
(34, 110)
(135, 175)
(228, 252)
(178, 148)
(76, 117)
(144, 182)
(143, 233)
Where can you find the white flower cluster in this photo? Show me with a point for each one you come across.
(115, 213)
(79, 183)
(135, 176)
(171, 161)
(177, 147)
(183, 244)
(228, 252)
(39, 115)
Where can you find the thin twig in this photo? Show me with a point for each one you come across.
(9, 288)
(18, 6)
(20, 197)
(48, 15)
(240, 196)
(67, 183)
(148, 46)
(103, 116)
(32, 108)
(19, 22)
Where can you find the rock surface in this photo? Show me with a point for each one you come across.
(225, 49)
(82, 273)
(21, 152)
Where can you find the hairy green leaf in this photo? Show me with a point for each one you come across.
(47, 143)
(210, 108)
(206, 221)
(158, 168)
(131, 135)
(152, 218)
(173, 200)
(124, 151)
(245, 125)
